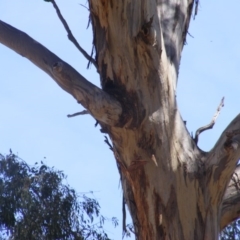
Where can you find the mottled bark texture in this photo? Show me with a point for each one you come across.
(138, 49)
(172, 188)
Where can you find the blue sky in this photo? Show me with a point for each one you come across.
(33, 120)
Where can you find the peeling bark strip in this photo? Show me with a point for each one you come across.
(172, 188)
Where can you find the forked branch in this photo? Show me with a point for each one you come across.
(70, 35)
(211, 124)
(101, 106)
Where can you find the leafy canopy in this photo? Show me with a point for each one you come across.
(35, 204)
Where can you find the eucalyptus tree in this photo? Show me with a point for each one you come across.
(172, 188)
(36, 203)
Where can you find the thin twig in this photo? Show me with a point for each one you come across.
(211, 124)
(78, 113)
(84, 6)
(190, 35)
(71, 37)
(196, 9)
(108, 143)
(124, 229)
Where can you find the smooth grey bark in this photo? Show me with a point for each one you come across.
(172, 188)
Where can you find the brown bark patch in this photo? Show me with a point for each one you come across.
(146, 141)
(199, 224)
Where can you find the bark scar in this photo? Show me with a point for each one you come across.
(147, 33)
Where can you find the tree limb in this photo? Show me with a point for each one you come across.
(211, 124)
(231, 200)
(70, 35)
(221, 161)
(101, 105)
(228, 145)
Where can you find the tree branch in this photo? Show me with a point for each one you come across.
(84, 112)
(221, 161)
(70, 35)
(101, 106)
(211, 124)
(227, 146)
(231, 200)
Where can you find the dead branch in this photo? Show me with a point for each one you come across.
(211, 124)
(196, 9)
(78, 113)
(70, 35)
(190, 34)
(101, 105)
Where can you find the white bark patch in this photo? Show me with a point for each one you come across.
(154, 160)
(156, 117)
(235, 145)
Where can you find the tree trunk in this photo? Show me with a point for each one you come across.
(172, 188)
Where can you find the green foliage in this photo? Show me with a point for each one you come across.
(35, 204)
